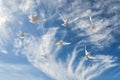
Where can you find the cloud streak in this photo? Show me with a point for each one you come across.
(35, 47)
(58, 70)
(104, 25)
(17, 71)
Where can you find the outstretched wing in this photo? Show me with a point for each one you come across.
(91, 57)
(86, 52)
(40, 19)
(61, 17)
(73, 20)
(66, 43)
(91, 20)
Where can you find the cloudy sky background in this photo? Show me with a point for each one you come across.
(21, 58)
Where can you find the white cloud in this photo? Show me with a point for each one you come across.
(102, 33)
(33, 47)
(3, 51)
(55, 68)
(7, 18)
(9, 71)
(83, 10)
(28, 6)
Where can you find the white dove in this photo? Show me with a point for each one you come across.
(22, 35)
(93, 28)
(88, 55)
(34, 18)
(67, 21)
(61, 42)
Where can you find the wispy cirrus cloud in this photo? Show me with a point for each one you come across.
(10, 22)
(34, 47)
(55, 68)
(4, 30)
(28, 7)
(18, 71)
(105, 25)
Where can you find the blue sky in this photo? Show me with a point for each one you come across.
(21, 58)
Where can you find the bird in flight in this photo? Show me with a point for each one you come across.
(93, 28)
(61, 42)
(22, 35)
(88, 55)
(34, 18)
(67, 21)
